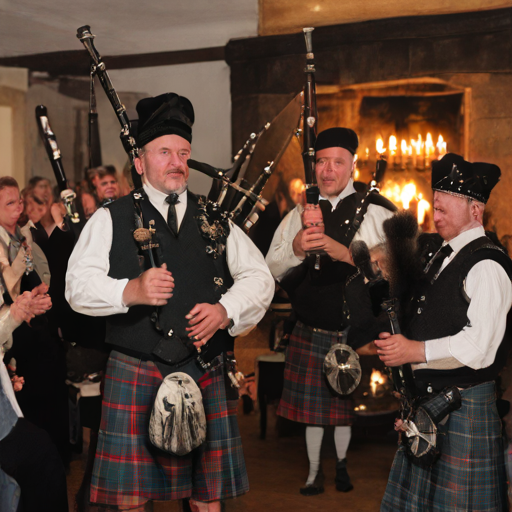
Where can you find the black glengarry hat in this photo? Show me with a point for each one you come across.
(167, 114)
(454, 175)
(337, 138)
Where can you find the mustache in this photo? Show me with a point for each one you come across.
(176, 170)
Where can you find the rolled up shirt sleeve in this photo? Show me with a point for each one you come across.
(490, 290)
(89, 289)
(249, 298)
(280, 257)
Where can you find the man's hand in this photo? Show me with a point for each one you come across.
(152, 288)
(205, 320)
(395, 349)
(314, 239)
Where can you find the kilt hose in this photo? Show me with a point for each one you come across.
(307, 397)
(470, 474)
(129, 470)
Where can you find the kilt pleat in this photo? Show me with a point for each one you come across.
(307, 397)
(129, 470)
(470, 474)
(220, 469)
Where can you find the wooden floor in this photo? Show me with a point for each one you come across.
(277, 468)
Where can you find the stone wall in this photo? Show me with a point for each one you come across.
(472, 51)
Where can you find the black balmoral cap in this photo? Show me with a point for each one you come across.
(454, 175)
(337, 138)
(167, 114)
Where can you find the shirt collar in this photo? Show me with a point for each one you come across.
(465, 238)
(348, 190)
(158, 198)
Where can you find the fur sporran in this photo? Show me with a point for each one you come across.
(178, 421)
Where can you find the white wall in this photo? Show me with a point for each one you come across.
(13, 87)
(6, 142)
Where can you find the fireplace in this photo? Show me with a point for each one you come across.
(448, 75)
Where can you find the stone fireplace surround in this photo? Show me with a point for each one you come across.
(469, 52)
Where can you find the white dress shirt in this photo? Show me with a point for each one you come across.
(490, 290)
(281, 258)
(89, 289)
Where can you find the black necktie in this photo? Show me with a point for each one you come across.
(172, 219)
(436, 262)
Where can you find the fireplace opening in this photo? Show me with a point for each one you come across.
(407, 122)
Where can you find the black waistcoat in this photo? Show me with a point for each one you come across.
(195, 276)
(317, 295)
(439, 308)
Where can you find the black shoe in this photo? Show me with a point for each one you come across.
(317, 487)
(342, 480)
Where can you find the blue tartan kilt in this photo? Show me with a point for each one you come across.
(307, 397)
(129, 470)
(470, 474)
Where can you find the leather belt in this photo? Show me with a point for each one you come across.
(339, 334)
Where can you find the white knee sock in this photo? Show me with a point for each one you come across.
(314, 436)
(342, 440)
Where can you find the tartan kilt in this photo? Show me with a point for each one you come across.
(129, 470)
(307, 397)
(470, 474)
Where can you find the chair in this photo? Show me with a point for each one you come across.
(270, 375)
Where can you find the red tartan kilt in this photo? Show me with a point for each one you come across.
(307, 398)
(129, 470)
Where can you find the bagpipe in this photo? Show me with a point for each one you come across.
(98, 69)
(421, 417)
(309, 132)
(236, 191)
(52, 149)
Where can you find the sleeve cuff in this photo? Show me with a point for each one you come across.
(117, 294)
(232, 315)
(437, 349)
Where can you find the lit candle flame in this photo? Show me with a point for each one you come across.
(403, 147)
(376, 378)
(429, 144)
(380, 146)
(441, 147)
(392, 144)
(408, 194)
(423, 207)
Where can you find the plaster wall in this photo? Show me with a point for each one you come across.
(13, 85)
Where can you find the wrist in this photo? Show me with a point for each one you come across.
(296, 246)
(131, 292)
(422, 357)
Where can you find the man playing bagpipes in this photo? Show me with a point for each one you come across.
(317, 294)
(173, 303)
(453, 319)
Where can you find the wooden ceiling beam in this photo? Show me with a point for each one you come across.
(77, 63)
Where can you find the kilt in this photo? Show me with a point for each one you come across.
(129, 470)
(307, 397)
(470, 474)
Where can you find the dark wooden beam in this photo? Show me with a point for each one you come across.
(333, 37)
(77, 63)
